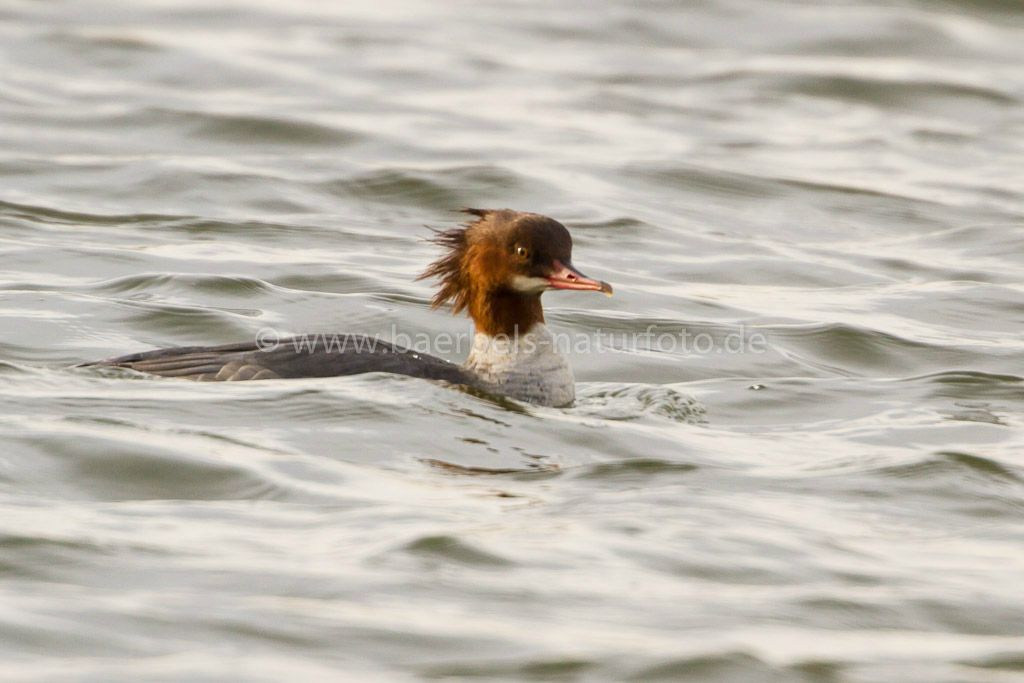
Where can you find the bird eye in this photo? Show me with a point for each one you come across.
(522, 252)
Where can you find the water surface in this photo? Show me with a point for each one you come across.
(840, 180)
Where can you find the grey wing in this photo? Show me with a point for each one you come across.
(201, 363)
(319, 356)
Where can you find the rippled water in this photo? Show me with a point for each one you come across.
(844, 179)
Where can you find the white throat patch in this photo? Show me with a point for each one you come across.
(529, 285)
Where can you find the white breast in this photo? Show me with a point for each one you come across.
(527, 367)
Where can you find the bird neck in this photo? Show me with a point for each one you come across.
(503, 312)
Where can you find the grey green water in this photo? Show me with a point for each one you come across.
(844, 181)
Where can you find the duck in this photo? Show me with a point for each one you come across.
(495, 267)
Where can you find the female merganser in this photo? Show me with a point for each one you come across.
(496, 267)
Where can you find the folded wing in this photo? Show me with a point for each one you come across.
(312, 356)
